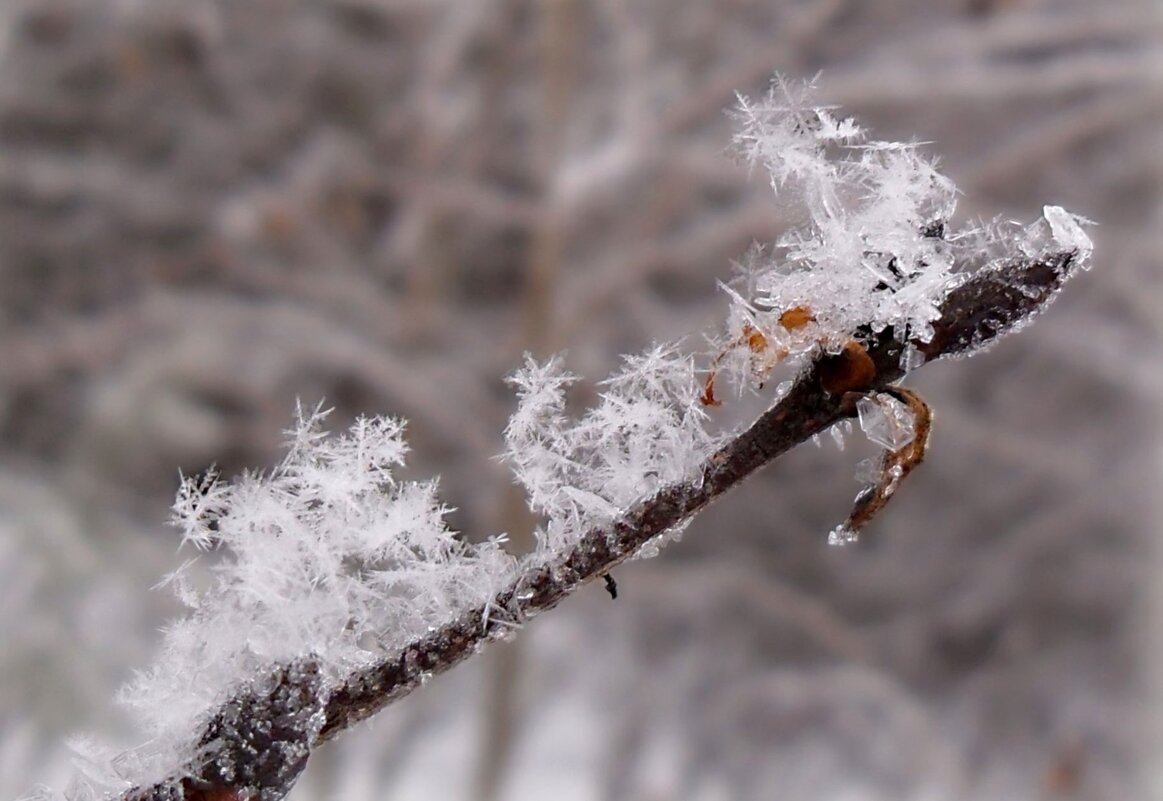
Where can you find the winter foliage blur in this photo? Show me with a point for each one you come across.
(341, 200)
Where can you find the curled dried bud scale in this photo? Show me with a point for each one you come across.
(850, 370)
(796, 318)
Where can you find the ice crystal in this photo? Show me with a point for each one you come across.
(323, 555)
(837, 434)
(874, 250)
(647, 431)
(1066, 230)
(877, 248)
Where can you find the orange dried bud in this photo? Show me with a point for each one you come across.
(796, 318)
(850, 370)
(708, 397)
(754, 339)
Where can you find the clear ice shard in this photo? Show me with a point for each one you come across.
(886, 421)
(1067, 230)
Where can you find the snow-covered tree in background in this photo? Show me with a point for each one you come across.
(341, 587)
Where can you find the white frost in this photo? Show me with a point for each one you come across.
(877, 249)
(874, 250)
(1066, 229)
(842, 535)
(327, 555)
(647, 431)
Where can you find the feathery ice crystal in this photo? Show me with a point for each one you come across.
(648, 431)
(877, 249)
(327, 555)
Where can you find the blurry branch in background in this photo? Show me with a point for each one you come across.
(256, 745)
(557, 37)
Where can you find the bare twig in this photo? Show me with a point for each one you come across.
(283, 721)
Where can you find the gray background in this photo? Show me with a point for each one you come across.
(211, 208)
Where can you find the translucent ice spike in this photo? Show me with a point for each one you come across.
(886, 421)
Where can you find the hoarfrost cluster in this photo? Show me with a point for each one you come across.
(647, 431)
(877, 249)
(328, 555)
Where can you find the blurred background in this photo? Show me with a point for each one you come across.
(211, 208)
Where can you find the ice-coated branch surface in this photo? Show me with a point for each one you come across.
(255, 745)
(340, 588)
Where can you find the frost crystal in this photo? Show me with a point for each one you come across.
(328, 561)
(837, 434)
(646, 432)
(328, 555)
(877, 249)
(1066, 229)
(886, 421)
(911, 358)
(874, 250)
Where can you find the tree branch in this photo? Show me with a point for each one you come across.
(258, 743)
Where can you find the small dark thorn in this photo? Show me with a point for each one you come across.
(611, 585)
